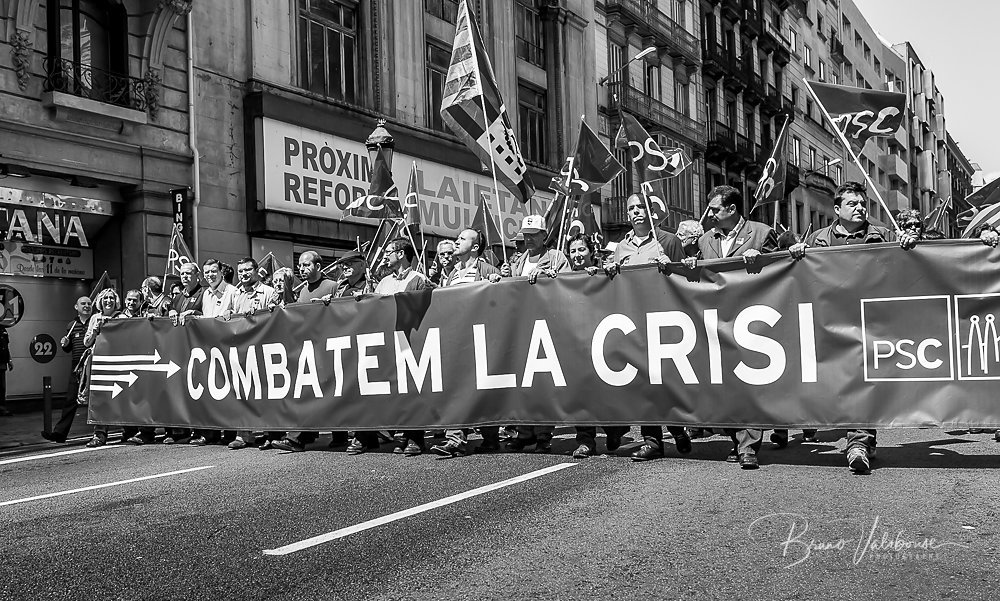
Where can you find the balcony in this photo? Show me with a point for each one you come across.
(897, 200)
(818, 180)
(649, 21)
(84, 81)
(721, 142)
(774, 41)
(654, 111)
(939, 127)
(837, 52)
(772, 104)
(755, 90)
(752, 24)
(715, 61)
(732, 9)
(745, 150)
(895, 167)
(736, 78)
(792, 177)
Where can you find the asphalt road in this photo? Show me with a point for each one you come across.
(692, 528)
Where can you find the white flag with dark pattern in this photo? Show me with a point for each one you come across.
(474, 111)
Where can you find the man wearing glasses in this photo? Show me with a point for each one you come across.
(441, 268)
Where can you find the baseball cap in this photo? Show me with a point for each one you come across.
(532, 224)
(350, 257)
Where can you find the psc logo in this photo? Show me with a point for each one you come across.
(978, 336)
(908, 339)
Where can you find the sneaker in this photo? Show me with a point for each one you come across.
(287, 445)
(412, 449)
(238, 443)
(355, 448)
(450, 449)
(168, 440)
(198, 441)
(582, 452)
(857, 460)
(96, 441)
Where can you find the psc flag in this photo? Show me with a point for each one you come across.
(771, 185)
(411, 203)
(178, 254)
(985, 216)
(473, 109)
(485, 222)
(860, 114)
(583, 220)
(652, 163)
(267, 266)
(382, 200)
(590, 167)
(102, 284)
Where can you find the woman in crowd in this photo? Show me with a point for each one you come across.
(108, 307)
(283, 281)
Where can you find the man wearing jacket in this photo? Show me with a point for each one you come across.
(72, 343)
(733, 236)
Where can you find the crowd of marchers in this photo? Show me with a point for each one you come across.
(221, 292)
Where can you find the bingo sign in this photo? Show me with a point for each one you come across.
(11, 306)
(43, 348)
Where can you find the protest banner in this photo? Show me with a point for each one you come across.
(846, 337)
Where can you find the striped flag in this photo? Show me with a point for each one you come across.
(474, 111)
(986, 216)
(987, 195)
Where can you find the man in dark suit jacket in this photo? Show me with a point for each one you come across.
(733, 236)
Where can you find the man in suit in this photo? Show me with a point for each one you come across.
(733, 236)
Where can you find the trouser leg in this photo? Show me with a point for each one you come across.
(455, 436)
(865, 439)
(65, 422)
(587, 435)
(748, 441)
(652, 435)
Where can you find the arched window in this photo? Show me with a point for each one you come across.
(88, 50)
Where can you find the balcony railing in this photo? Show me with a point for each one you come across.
(837, 51)
(752, 23)
(721, 135)
(648, 20)
(85, 81)
(646, 106)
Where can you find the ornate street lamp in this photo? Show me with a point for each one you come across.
(380, 141)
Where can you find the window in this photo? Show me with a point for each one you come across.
(868, 54)
(796, 151)
(442, 9)
(616, 58)
(822, 71)
(807, 56)
(840, 175)
(328, 57)
(682, 96)
(437, 61)
(820, 23)
(531, 118)
(812, 158)
(858, 42)
(651, 83)
(793, 38)
(528, 33)
(809, 108)
(878, 68)
(845, 25)
(88, 51)
(795, 97)
(859, 79)
(731, 113)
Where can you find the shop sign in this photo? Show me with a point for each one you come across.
(307, 172)
(43, 348)
(60, 202)
(11, 306)
(20, 258)
(38, 226)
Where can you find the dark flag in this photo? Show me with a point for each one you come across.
(473, 109)
(102, 284)
(382, 200)
(860, 114)
(485, 222)
(987, 195)
(771, 186)
(933, 218)
(267, 266)
(411, 204)
(591, 167)
(653, 163)
(583, 220)
(555, 214)
(178, 254)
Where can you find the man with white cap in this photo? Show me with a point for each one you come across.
(534, 261)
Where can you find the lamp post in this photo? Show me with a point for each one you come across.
(645, 51)
(380, 140)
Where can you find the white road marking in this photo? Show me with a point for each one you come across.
(99, 486)
(392, 517)
(48, 455)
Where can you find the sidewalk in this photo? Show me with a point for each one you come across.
(24, 429)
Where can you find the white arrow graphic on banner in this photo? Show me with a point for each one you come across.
(126, 358)
(170, 368)
(130, 377)
(115, 390)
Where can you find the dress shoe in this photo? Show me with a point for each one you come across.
(647, 452)
(518, 444)
(53, 437)
(412, 449)
(237, 443)
(732, 457)
(198, 441)
(543, 446)
(683, 444)
(780, 440)
(168, 440)
(809, 436)
(582, 452)
(96, 441)
(287, 445)
(450, 449)
(355, 448)
(748, 461)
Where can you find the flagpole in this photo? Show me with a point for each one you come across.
(493, 172)
(562, 220)
(857, 161)
(170, 244)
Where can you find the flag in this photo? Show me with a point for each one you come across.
(473, 109)
(178, 254)
(411, 204)
(590, 167)
(860, 114)
(583, 220)
(988, 215)
(102, 284)
(771, 185)
(555, 215)
(267, 266)
(987, 195)
(382, 200)
(485, 222)
(933, 218)
(653, 163)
